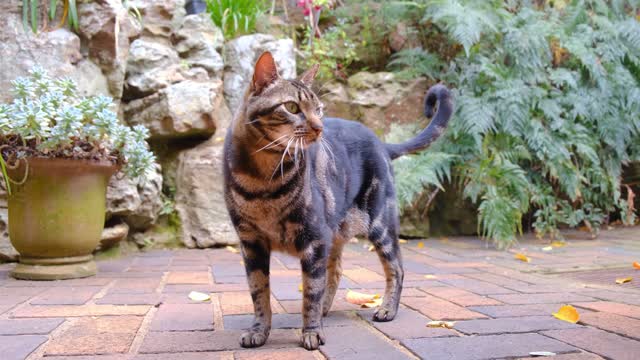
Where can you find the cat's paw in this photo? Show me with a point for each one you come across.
(383, 314)
(312, 339)
(253, 338)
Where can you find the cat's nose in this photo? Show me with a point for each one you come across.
(317, 128)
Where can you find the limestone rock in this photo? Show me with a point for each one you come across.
(160, 17)
(106, 27)
(199, 43)
(138, 204)
(113, 235)
(185, 109)
(200, 196)
(376, 99)
(240, 55)
(57, 51)
(7, 252)
(152, 66)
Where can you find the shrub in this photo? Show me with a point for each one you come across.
(235, 16)
(547, 111)
(48, 119)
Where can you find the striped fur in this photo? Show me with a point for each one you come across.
(303, 184)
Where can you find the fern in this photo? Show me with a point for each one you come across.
(547, 111)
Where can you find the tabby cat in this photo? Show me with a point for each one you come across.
(304, 184)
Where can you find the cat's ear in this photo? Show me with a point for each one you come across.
(309, 75)
(265, 73)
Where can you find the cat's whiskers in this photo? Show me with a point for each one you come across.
(281, 163)
(327, 147)
(271, 144)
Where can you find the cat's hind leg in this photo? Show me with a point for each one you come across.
(383, 233)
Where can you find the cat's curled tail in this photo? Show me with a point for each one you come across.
(437, 93)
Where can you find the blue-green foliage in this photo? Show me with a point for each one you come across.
(49, 113)
(547, 110)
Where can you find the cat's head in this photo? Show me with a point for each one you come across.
(283, 109)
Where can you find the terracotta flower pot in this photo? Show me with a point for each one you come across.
(56, 216)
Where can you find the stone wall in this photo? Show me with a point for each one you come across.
(174, 74)
(178, 76)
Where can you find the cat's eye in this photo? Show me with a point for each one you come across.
(292, 107)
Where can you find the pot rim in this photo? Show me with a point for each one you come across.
(65, 165)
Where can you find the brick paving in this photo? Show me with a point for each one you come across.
(137, 307)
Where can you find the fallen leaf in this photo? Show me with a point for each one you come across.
(359, 298)
(441, 324)
(542, 353)
(198, 296)
(371, 248)
(219, 139)
(430, 276)
(547, 248)
(373, 303)
(522, 257)
(567, 313)
(402, 241)
(420, 245)
(558, 244)
(636, 265)
(300, 287)
(624, 280)
(232, 249)
(444, 239)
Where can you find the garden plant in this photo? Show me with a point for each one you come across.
(58, 151)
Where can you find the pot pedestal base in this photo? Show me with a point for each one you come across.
(55, 268)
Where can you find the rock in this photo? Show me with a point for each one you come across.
(113, 235)
(200, 196)
(150, 193)
(7, 252)
(240, 56)
(402, 37)
(185, 109)
(57, 51)
(106, 27)
(376, 99)
(138, 204)
(199, 43)
(160, 17)
(152, 66)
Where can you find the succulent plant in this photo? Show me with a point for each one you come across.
(50, 118)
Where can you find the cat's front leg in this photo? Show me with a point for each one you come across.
(256, 262)
(314, 277)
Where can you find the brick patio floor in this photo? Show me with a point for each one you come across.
(137, 307)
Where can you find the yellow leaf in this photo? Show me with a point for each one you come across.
(198, 296)
(232, 249)
(636, 265)
(567, 313)
(441, 324)
(547, 248)
(624, 280)
(430, 276)
(420, 245)
(300, 287)
(371, 248)
(558, 244)
(359, 298)
(219, 139)
(542, 353)
(373, 303)
(402, 241)
(522, 257)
